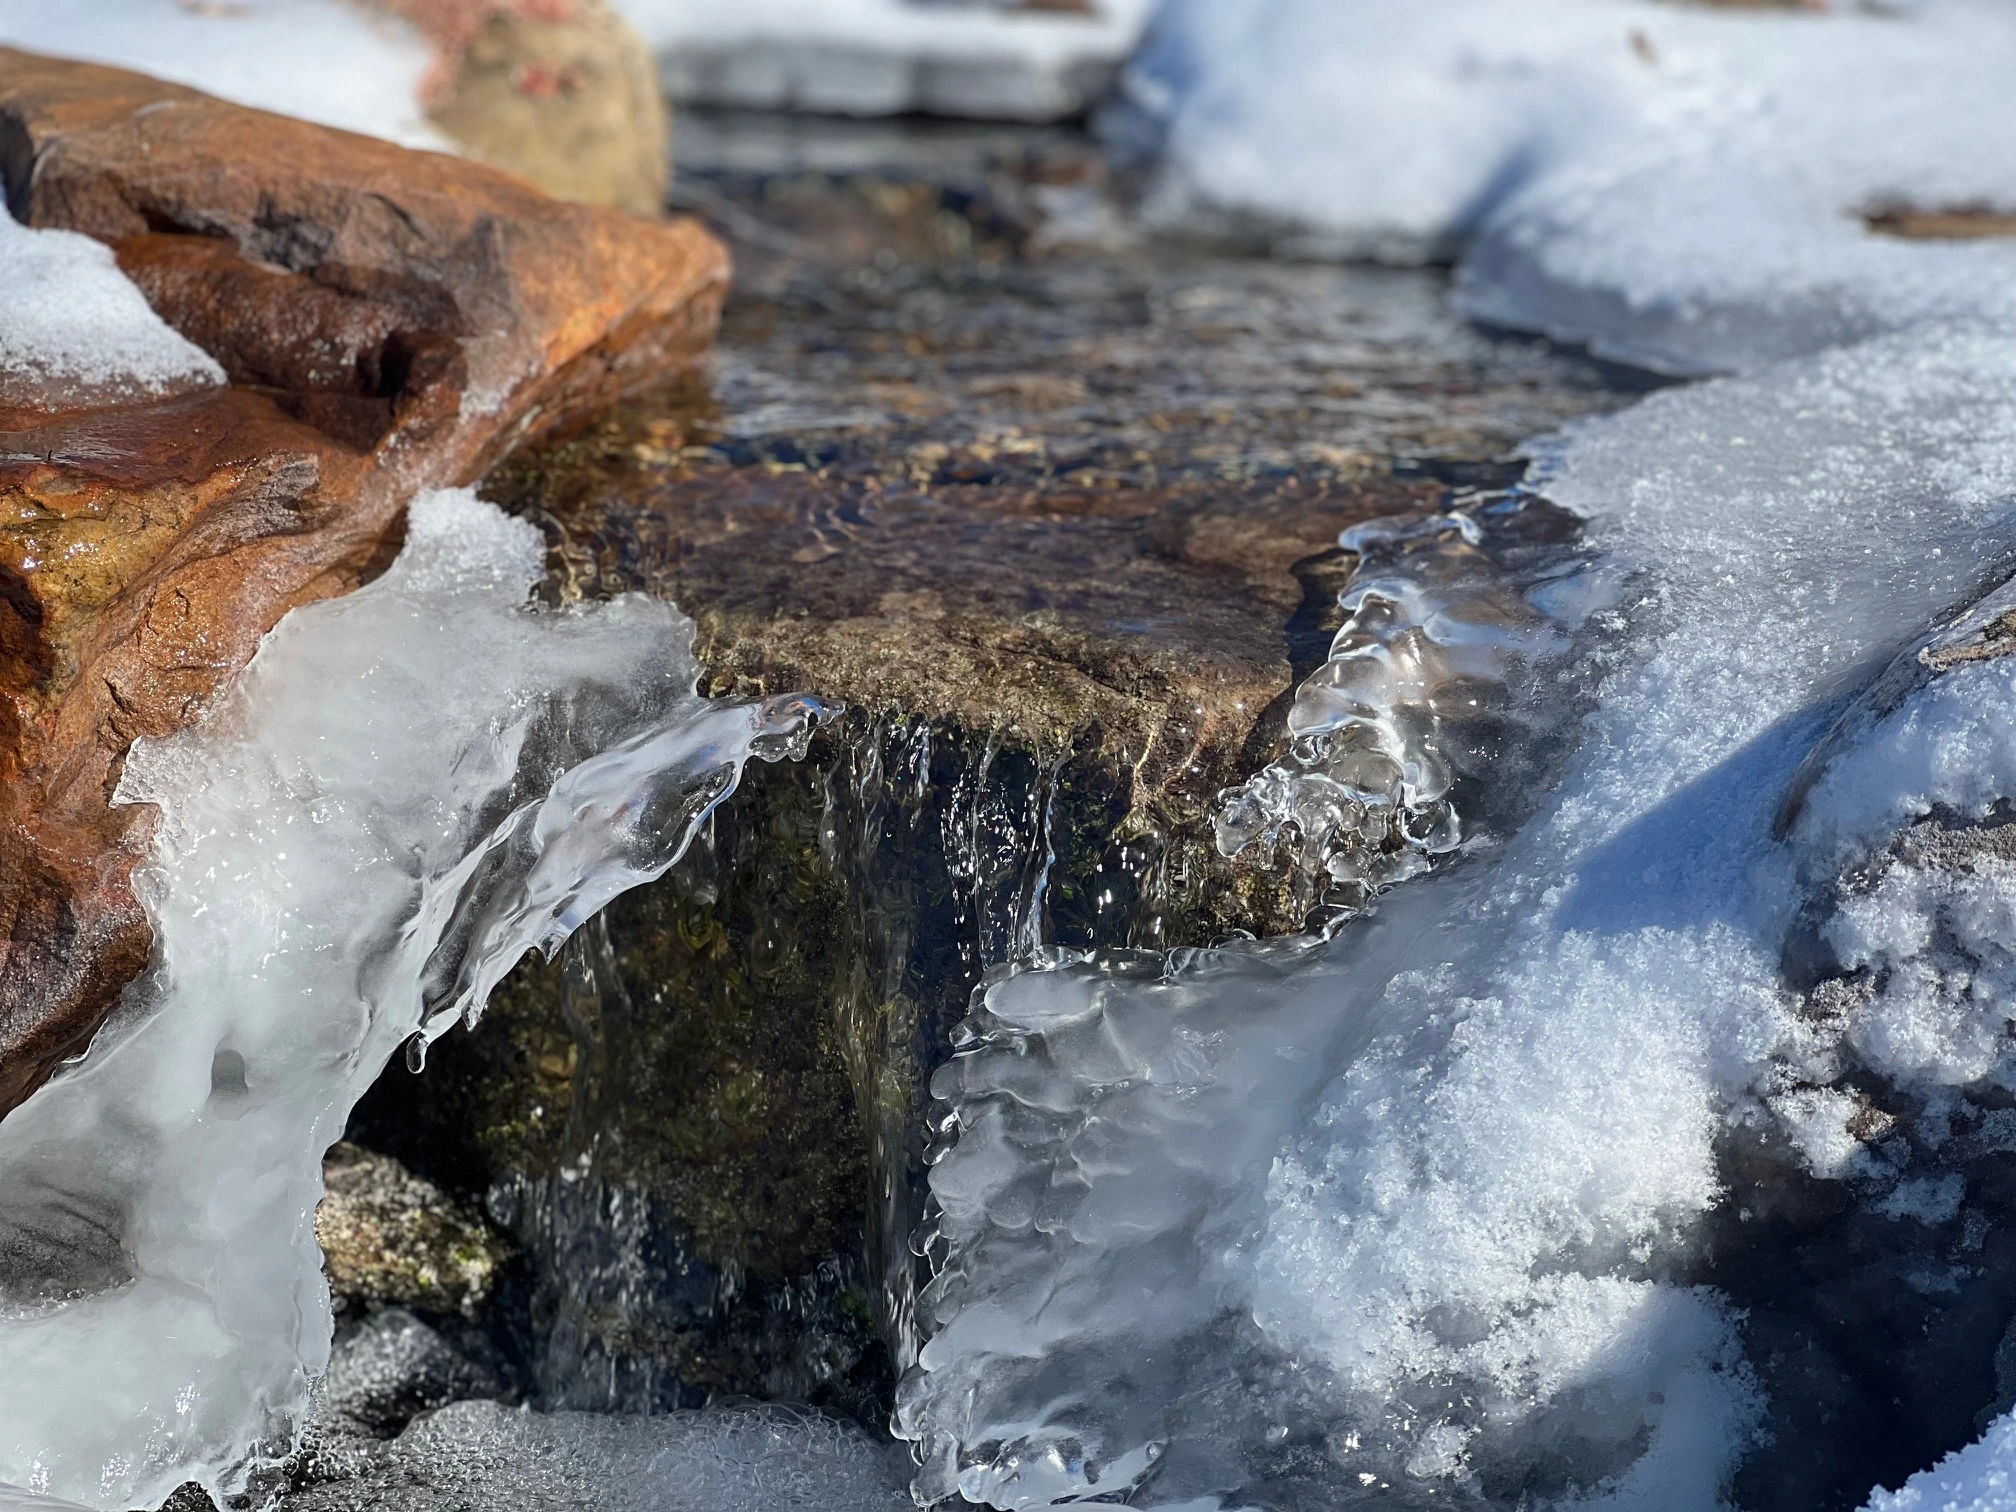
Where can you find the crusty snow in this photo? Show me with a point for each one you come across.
(75, 331)
(1677, 186)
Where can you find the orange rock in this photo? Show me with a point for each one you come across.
(390, 321)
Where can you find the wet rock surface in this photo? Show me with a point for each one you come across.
(1054, 512)
(389, 1238)
(389, 321)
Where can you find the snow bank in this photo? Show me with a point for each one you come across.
(406, 790)
(332, 61)
(883, 57)
(1680, 188)
(74, 331)
(1414, 1208)
(1979, 1478)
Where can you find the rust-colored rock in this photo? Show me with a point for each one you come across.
(390, 321)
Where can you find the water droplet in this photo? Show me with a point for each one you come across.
(416, 1054)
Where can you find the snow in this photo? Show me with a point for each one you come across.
(331, 61)
(74, 331)
(406, 790)
(1979, 1478)
(884, 57)
(1407, 1199)
(1678, 187)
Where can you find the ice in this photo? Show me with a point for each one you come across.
(727, 1459)
(884, 57)
(406, 790)
(408, 1417)
(339, 62)
(1431, 680)
(1679, 187)
(74, 331)
(1417, 1207)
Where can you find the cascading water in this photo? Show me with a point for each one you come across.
(408, 789)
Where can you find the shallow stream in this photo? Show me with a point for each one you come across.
(1555, 1053)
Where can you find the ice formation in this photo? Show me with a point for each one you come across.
(883, 57)
(337, 62)
(1416, 1207)
(1679, 187)
(1431, 681)
(75, 331)
(403, 1419)
(407, 789)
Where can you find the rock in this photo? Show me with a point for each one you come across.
(1060, 528)
(389, 321)
(390, 1239)
(1941, 223)
(560, 92)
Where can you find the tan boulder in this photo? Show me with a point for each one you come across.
(389, 320)
(560, 92)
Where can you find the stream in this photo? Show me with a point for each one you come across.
(1557, 1055)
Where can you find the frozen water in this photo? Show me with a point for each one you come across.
(405, 1417)
(883, 57)
(338, 62)
(1416, 1207)
(74, 330)
(407, 789)
(1679, 187)
(1431, 681)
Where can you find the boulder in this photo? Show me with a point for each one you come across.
(389, 321)
(560, 92)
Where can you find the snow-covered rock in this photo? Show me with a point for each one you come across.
(883, 57)
(1679, 187)
(327, 61)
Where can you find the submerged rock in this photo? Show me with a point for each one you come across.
(389, 321)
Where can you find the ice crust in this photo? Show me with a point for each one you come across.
(74, 330)
(336, 62)
(406, 790)
(884, 57)
(1678, 187)
(1414, 1208)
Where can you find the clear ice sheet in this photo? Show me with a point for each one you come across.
(406, 790)
(1678, 187)
(1407, 1209)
